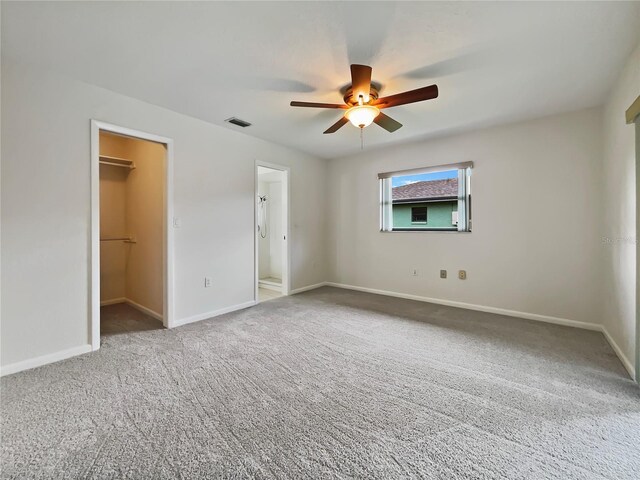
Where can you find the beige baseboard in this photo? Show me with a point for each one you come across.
(113, 301)
(143, 309)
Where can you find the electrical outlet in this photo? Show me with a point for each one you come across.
(414, 272)
(443, 274)
(462, 274)
(207, 282)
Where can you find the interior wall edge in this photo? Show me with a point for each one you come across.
(75, 351)
(212, 314)
(87, 348)
(44, 359)
(482, 308)
(472, 306)
(112, 301)
(616, 348)
(308, 287)
(619, 283)
(143, 309)
(499, 311)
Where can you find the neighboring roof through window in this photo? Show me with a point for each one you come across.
(426, 190)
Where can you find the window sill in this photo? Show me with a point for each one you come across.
(429, 230)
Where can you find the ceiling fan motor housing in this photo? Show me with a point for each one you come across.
(350, 100)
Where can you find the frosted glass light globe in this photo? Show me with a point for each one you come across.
(362, 115)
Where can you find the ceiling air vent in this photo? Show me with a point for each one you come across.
(238, 122)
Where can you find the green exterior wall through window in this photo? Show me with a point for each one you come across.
(438, 215)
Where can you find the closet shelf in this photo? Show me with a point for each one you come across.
(117, 162)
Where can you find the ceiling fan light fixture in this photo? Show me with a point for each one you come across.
(362, 115)
(363, 105)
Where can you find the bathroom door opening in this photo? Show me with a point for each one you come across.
(131, 242)
(272, 277)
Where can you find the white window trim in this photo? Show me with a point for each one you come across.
(464, 195)
(433, 169)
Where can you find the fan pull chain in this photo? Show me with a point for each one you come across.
(361, 138)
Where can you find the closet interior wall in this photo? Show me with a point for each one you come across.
(132, 205)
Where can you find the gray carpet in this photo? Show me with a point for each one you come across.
(330, 384)
(121, 319)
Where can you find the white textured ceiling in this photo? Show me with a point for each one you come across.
(493, 62)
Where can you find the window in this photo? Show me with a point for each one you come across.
(418, 214)
(426, 199)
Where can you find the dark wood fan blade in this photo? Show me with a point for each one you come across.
(361, 81)
(336, 126)
(386, 122)
(317, 105)
(412, 96)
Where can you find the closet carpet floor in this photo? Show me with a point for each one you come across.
(330, 384)
(122, 318)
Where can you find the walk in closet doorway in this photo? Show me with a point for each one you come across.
(131, 216)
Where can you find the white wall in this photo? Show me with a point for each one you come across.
(535, 245)
(619, 211)
(46, 208)
(276, 241)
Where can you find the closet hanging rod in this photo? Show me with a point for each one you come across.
(129, 239)
(130, 167)
(116, 162)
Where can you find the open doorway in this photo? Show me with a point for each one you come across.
(272, 226)
(131, 242)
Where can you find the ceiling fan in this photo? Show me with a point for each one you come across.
(363, 105)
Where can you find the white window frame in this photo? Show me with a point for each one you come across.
(464, 196)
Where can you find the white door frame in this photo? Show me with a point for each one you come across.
(94, 284)
(637, 359)
(286, 216)
(632, 116)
